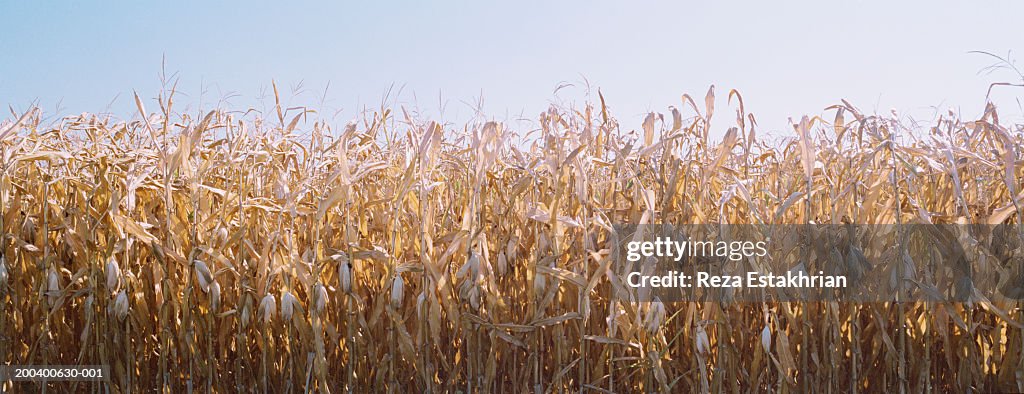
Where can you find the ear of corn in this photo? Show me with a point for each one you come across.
(121, 305)
(113, 274)
(152, 245)
(3, 274)
(268, 307)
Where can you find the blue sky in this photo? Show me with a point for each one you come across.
(787, 58)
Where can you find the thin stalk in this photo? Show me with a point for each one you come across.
(3, 254)
(423, 277)
(46, 256)
(806, 307)
(901, 314)
(350, 341)
(128, 359)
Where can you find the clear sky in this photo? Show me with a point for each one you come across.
(788, 58)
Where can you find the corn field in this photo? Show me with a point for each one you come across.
(234, 251)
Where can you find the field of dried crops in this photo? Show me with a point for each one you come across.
(232, 252)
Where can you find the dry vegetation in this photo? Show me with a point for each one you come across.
(227, 252)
